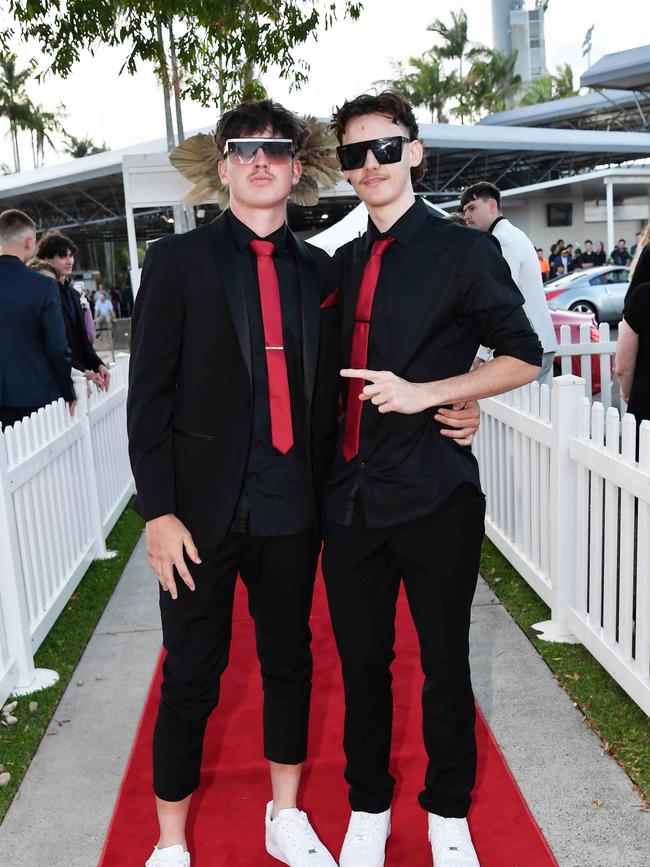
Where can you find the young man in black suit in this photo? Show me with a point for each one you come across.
(418, 294)
(34, 353)
(59, 250)
(228, 435)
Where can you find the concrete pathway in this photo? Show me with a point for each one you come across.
(62, 811)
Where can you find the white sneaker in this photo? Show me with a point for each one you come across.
(365, 841)
(291, 839)
(170, 856)
(451, 842)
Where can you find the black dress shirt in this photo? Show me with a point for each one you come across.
(443, 290)
(277, 498)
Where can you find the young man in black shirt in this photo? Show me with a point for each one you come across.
(418, 295)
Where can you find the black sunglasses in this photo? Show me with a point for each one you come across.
(244, 150)
(385, 150)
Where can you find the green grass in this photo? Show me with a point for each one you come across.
(61, 651)
(620, 723)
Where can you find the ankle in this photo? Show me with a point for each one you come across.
(289, 804)
(166, 842)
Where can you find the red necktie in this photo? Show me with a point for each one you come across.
(359, 350)
(276, 365)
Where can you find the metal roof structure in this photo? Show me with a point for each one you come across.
(512, 157)
(600, 110)
(85, 197)
(622, 70)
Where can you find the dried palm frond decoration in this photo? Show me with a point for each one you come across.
(197, 159)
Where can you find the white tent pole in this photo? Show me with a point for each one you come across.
(609, 189)
(133, 249)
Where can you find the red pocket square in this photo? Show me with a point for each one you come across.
(331, 300)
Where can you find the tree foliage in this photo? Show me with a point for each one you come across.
(549, 87)
(215, 39)
(487, 85)
(82, 147)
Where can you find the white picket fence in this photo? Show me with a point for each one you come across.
(64, 481)
(568, 504)
(582, 353)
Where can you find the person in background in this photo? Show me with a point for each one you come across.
(104, 312)
(565, 259)
(116, 297)
(640, 267)
(633, 353)
(58, 250)
(588, 257)
(544, 265)
(34, 353)
(620, 255)
(600, 254)
(481, 205)
(634, 246)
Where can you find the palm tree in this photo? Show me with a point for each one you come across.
(82, 147)
(454, 36)
(43, 123)
(14, 102)
(425, 85)
(491, 80)
(563, 82)
(549, 87)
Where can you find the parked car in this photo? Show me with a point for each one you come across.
(600, 291)
(574, 320)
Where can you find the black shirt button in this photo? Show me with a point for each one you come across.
(363, 465)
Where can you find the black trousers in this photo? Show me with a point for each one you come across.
(437, 557)
(279, 576)
(9, 415)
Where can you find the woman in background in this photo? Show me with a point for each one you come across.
(640, 267)
(601, 255)
(633, 352)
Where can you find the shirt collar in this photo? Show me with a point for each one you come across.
(498, 220)
(243, 235)
(404, 229)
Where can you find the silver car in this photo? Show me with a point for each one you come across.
(600, 291)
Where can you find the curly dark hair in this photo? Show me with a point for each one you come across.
(389, 103)
(253, 117)
(54, 243)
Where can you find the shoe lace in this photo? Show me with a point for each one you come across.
(300, 834)
(364, 825)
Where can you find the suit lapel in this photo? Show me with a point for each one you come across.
(233, 287)
(309, 278)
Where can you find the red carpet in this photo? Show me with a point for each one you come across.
(226, 820)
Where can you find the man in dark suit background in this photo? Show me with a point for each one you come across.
(35, 357)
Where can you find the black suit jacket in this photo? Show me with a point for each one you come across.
(190, 395)
(84, 356)
(34, 352)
